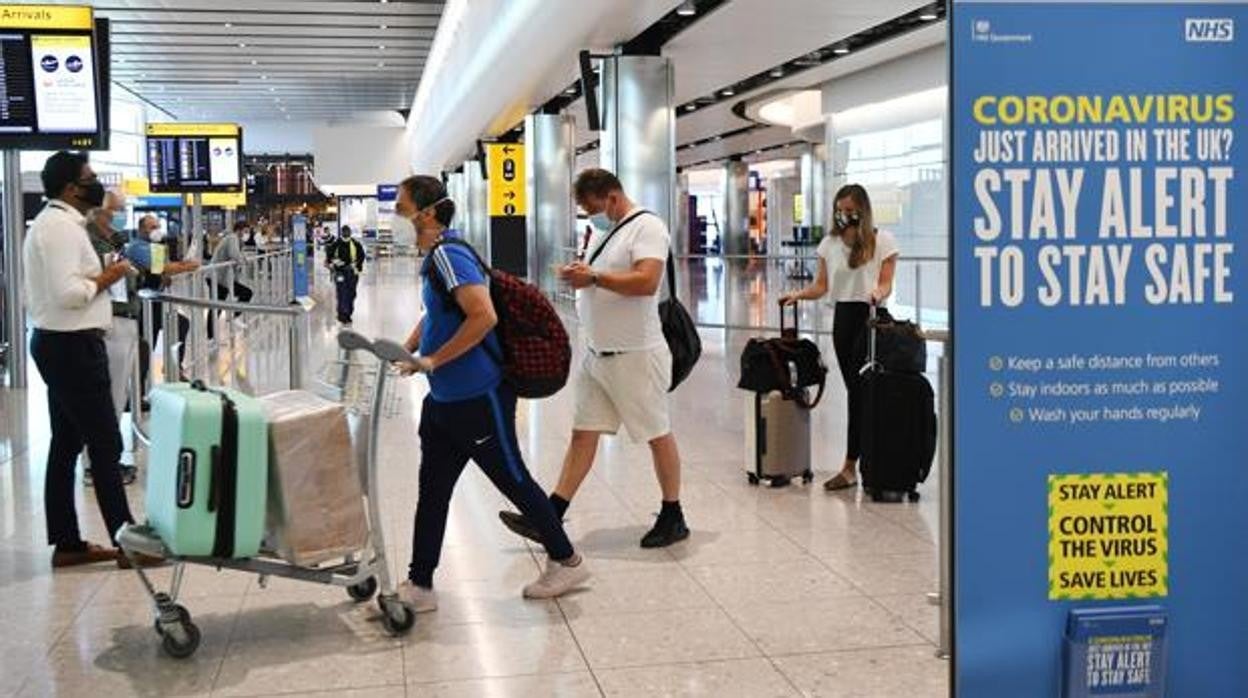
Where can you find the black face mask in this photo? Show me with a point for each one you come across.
(845, 221)
(92, 193)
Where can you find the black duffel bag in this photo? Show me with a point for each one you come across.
(787, 363)
(899, 344)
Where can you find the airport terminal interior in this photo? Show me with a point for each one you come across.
(292, 121)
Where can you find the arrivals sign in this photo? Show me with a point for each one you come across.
(1099, 197)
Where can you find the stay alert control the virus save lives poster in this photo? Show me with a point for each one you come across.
(1099, 196)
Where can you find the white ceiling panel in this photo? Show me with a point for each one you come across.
(249, 60)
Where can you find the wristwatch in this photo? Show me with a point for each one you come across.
(593, 279)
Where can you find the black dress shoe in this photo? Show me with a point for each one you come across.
(666, 531)
(517, 524)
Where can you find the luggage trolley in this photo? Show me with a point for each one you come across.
(361, 386)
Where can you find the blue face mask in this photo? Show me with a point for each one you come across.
(601, 221)
(119, 220)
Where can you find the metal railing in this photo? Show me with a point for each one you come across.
(944, 597)
(274, 326)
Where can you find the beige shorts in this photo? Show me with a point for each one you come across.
(628, 389)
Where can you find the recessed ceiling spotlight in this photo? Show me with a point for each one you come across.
(384, 27)
(687, 9)
(841, 50)
(381, 64)
(381, 47)
(255, 62)
(242, 45)
(272, 89)
(928, 17)
(264, 77)
(229, 25)
(143, 75)
(728, 92)
(690, 107)
(777, 73)
(570, 91)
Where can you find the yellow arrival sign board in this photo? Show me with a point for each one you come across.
(1108, 536)
(47, 17)
(505, 163)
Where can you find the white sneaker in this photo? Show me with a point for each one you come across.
(418, 598)
(557, 580)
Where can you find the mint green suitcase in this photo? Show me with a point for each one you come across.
(208, 471)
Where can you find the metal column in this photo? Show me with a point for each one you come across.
(476, 209)
(14, 228)
(814, 193)
(680, 233)
(735, 223)
(550, 153)
(639, 138)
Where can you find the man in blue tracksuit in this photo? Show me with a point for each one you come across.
(470, 412)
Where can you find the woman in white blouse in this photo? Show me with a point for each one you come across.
(856, 268)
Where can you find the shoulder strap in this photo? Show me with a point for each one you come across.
(441, 286)
(618, 227)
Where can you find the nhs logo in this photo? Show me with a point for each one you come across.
(1201, 29)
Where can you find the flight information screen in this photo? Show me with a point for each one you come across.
(194, 157)
(49, 95)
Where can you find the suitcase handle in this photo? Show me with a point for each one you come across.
(785, 330)
(872, 321)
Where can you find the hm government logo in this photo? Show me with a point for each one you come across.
(1203, 30)
(981, 30)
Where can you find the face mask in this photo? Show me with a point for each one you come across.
(601, 221)
(844, 220)
(156, 235)
(119, 221)
(93, 194)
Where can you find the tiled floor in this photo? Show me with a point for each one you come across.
(777, 593)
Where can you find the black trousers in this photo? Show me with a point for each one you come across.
(849, 324)
(482, 430)
(74, 366)
(345, 291)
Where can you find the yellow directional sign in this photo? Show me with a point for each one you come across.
(219, 199)
(505, 163)
(46, 17)
(180, 129)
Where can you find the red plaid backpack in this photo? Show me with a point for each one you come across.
(537, 355)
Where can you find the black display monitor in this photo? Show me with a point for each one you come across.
(50, 95)
(189, 158)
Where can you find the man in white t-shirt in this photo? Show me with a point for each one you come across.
(627, 367)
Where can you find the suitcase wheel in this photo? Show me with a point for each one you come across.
(179, 638)
(808, 477)
(778, 482)
(363, 591)
(913, 495)
(396, 618)
(753, 478)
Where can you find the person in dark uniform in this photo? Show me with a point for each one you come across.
(345, 258)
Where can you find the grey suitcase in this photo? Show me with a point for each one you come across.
(777, 439)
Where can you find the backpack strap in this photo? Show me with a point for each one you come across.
(617, 228)
(435, 277)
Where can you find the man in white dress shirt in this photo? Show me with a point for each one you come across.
(70, 307)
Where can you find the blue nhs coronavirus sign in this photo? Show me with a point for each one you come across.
(1099, 197)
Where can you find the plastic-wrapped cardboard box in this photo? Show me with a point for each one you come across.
(316, 505)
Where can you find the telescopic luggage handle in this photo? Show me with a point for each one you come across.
(785, 329)
(872, 320)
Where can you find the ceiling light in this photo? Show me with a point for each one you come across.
(242, 45)
(690, 107)
(229, 25)
(687, 9)
(264, 77)
(384, 27)
(777, 73)
(144, 76)
(381, 64)
(570, 91)
(381, 47)
(928, 17)
(728, 92)
(841, 50)
(272, 89)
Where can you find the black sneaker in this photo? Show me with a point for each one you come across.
(666, 531)
(517, 524)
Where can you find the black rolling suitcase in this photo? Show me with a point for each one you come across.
(899, 424)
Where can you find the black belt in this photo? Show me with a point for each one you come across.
(93, 332)
(606, 354)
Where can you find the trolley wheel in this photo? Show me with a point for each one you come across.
(184, 617)
(913, 495)
(753, 478)
(183, 642)
(363, 591)
(396, 618)
(808, 477)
